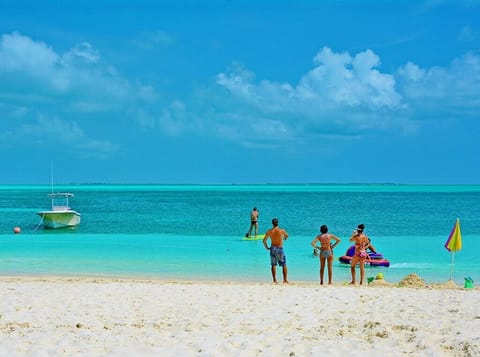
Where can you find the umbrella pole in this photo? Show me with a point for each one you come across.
(451, 266)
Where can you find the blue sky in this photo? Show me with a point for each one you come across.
(240, 91)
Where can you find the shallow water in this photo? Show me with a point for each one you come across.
(195, 231)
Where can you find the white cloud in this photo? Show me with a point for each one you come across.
(447, 90)
(82, 53)
(336, 80)
(48, 128)
(339, 79)
(349, 94)
(412, 72)
(67, 136)
(75, 84)
(77, 74)
(20, 53)
(172, 120)
(339, 91)
(238, 81)
(342, 93)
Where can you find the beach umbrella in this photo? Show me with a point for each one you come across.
(454, 243)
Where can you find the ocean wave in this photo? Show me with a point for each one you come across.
(409, 265)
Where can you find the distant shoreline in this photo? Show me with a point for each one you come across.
(259, 187)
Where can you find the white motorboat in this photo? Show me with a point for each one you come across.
(61, 215)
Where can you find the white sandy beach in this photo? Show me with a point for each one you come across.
(125, 317)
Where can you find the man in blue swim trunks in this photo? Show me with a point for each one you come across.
(277, 256)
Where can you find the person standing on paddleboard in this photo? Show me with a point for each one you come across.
(253, 222)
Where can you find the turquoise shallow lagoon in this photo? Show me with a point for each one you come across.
(195, 231)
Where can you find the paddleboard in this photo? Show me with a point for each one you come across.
(257, 237)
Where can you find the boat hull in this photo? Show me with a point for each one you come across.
(60, 219)
(373, 259)
(372, 262)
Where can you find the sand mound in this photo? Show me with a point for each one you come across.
(413, 280)
(379, 282)
(448, 285)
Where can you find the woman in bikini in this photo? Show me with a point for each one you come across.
(362, 242)
(326, 251)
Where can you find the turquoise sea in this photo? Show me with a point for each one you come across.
(195, 231)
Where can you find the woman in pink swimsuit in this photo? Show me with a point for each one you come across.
(362, 242)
